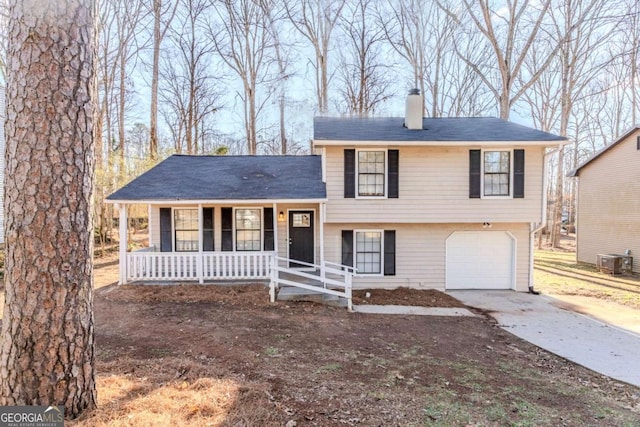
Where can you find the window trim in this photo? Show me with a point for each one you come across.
(386, 173)
(482, 173)
(235, 245)
(355, 251)
(173, 228)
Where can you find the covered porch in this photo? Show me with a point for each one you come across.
(211, 241)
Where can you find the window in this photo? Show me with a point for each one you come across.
(248, 231)
(368, 252)
(371, 173)
(186, 229)
(497, 166)
(301, 220)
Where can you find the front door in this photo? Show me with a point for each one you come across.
(301, 237)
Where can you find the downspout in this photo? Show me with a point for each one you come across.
(543, 222)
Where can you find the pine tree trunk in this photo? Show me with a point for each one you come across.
(47, 354)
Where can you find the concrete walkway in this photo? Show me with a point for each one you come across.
(588, 342)
(412, 310)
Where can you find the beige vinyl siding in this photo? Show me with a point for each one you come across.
(283, 227)
(420, 253)
(282, 244)
(154, 227)
(609, 204)
(434, 188)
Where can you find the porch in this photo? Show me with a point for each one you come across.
(231, 218)
(328, 279)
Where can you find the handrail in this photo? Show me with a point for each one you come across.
(342, 266)
(346, 283)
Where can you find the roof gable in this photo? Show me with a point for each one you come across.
(184, 177)
(468, 129)
(598, 154)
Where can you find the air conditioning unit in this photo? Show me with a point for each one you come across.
(614, 263)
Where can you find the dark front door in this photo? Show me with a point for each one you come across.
(301, 242)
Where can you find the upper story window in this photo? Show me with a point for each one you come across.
(497, 173)
(248, 229)
(371, 173)
(186, 230)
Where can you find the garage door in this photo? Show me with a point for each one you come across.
(480, 260)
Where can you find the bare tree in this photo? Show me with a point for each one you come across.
(48, 329)
(510, 33)
(365, 81)
(575, 26)
(407, 29)
(242, 42)
(630, 26)
(280, 51)
(162, 17)
(316, 20)
(189, 95)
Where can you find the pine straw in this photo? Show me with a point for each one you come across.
(175, 392)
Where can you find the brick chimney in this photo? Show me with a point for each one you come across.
(413, 110)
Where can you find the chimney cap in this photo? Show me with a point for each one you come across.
(414, 91)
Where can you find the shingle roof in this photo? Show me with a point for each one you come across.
(183, 177)
(434, 129)
(596, 155)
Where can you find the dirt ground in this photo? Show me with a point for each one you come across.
(193, 355)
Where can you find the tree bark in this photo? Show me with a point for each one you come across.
(47, 354)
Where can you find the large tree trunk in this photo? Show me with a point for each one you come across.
(47, 354)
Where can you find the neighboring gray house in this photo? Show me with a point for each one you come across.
(441, 203)
(608, 201)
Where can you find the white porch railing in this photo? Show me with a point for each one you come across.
(331, 278)
(144, 265)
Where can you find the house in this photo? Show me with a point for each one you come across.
(443, 203)
(608, 201)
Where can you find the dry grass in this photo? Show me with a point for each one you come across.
(559, 273)
(194, 398)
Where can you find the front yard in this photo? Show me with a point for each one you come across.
(209, 356)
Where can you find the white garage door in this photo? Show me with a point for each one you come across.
(480, 260)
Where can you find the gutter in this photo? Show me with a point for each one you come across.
(543, 222)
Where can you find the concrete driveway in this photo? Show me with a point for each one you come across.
(598, 346)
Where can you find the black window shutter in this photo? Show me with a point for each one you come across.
(207, 230)
(268, 229)
(392, 179)
(518, 174)
(474, 173)
(165, 230)
(389, 252)
(347, 247)
(226, 217)
(638, 142)
(349, 173)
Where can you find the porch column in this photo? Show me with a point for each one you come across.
(321, 220)
(122, 209)
(200, 260)
(275, 228)
(149, 231)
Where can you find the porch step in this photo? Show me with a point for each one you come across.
(291, 293)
